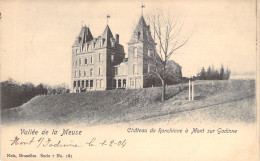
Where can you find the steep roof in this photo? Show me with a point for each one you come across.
(107, 35)
(140, 31)
(84, 36)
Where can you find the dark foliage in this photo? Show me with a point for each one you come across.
(14, 94)
(214, 74)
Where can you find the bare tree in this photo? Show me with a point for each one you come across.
(167, 39)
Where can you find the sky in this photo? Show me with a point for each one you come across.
(36, 36)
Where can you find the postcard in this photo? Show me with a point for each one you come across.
(129, 80)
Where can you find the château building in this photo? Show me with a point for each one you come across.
(100, 63)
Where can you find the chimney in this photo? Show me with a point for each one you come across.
(117, 38)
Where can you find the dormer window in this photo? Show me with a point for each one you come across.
(112, 42)
(138, 35)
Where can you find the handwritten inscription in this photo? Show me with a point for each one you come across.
(109, 143)
(48, 142)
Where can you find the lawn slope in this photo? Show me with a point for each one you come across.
(226, 100)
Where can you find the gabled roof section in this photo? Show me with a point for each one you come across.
(107, 35)
(84, 36)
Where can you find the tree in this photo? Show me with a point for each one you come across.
(227, 74)
(209, 73)
(167, 30)
(221, 73)
(202, 74)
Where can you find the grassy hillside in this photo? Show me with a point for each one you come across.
(217, 101)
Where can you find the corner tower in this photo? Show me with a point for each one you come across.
(140, 47)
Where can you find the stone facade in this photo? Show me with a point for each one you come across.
(100, 63)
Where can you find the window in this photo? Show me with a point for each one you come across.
(74, 84)
(99, 71)
(135, 52)
(136, 82)
(82, 83)
(112, 58)
(80, 61)
(100, 57)
(78, 83)
(91, 72)
(91, 83)
(86, 61)
(79, 73)
(101, 83)
(113, 44)
(76, 63)
(91, 60)
(149, 68)
(84, 73)
(97, 83)
(149, 53)
(134, 69)
(75, 74)
(124, 83)
(119, 83)
(132, 82)
(116, 71)
(87, 85)
(138, 34)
